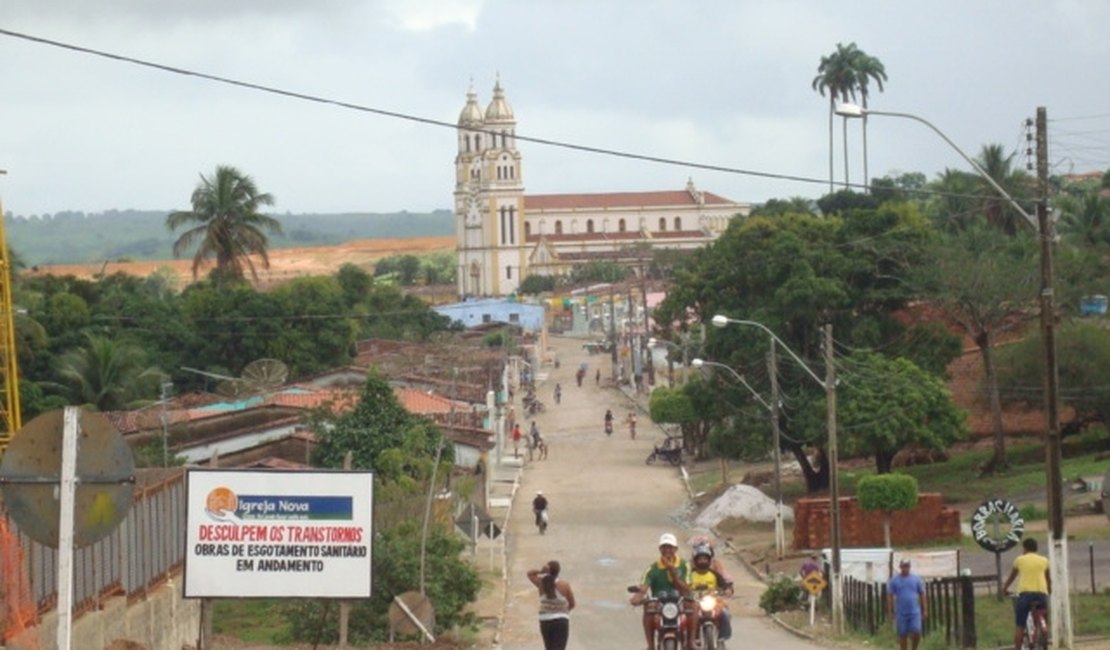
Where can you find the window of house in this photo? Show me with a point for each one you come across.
(620, 225)
(514, 318)
(589, 225)
(527, 229)
(678, 223)
(662, 224)
(486, 318)
(558, 227)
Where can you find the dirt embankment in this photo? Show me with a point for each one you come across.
(285, 263)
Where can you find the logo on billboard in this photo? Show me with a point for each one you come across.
(223, 504)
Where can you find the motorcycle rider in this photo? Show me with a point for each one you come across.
(668, 573)
(539, 506)
(704, 577)
(608, 421)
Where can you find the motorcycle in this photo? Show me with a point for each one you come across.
(709, 621)
(670, 619)
(608, 427)
(671, 452)
(532, 405)
(541, 521)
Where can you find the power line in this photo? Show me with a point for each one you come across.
(405, 116)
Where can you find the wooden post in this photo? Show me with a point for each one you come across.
(967, 600)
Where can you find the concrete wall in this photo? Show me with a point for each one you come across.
(161, 621)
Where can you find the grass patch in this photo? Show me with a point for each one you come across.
(257, 620)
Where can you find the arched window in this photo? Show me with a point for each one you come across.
(678, 223)
(621, 225)
(589, 225)
(527, 229)
(558, 227)
(662, 224)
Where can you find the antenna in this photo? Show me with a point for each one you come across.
(258, 376)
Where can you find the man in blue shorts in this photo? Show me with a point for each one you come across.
(1034, 584)
(905, 604)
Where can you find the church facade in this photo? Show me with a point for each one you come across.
(504, 235)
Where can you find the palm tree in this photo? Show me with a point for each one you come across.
(229, 226)
(107, 375)
(999, 166)
(1085, 220)
(868, 68)
(837, 74)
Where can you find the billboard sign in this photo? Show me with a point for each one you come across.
(275, 534)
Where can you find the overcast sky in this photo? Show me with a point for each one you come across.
(723, 83)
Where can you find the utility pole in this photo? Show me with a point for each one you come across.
(834, 484)
(772, 370)
(1060, 614)
(613, 332)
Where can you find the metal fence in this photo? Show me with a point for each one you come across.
(951, 603)
(146, 549)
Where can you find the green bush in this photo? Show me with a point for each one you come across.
(782, 594)
(1030, 512)
(887, 492)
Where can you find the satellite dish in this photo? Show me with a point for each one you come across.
(258, 376)
(31, 472)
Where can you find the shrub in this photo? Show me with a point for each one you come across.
(782, 594)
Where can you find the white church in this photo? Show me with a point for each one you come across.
(505, 235)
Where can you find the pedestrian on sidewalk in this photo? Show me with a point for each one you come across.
(556, 601)
(516, 440)
(905, 604)
(597, 377)
(558, 393)
(632, 425)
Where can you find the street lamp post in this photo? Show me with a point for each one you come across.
(1058, 553)
(780, 531)
(829, 384)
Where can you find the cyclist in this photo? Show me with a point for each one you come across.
(1033, 585)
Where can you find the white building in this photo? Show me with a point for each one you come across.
(503, 235)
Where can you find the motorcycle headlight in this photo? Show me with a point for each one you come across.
(708, 602)
(670, 610)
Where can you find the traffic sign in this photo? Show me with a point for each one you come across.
(814, 582)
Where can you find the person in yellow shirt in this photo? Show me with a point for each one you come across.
(704, 577)
(1033, 585)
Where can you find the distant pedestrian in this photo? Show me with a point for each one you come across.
(632, 425)
(516, 440)
(809, 566)
(905, 604)
(556, 601)
(597, 377)
(558, 393)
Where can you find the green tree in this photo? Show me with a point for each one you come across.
(228, 225)
(317, 333)
(1085, 220)
(108, 375)
(534, 284)
(885, 405)
(778, 207)
(999, 166)
(381, 435)
(355, 283)
(1082, 354)
(985, 282)
(887, 493)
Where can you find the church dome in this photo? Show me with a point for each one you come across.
(471, 115)
(499, 109)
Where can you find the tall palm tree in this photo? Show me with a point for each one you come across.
(228, 224)
(868, 68)
(837, 74)
(1085, 220)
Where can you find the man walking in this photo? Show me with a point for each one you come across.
(905, 604)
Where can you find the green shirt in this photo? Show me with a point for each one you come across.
(657, 580)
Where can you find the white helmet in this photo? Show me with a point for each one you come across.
(538, 493)
(667, 539)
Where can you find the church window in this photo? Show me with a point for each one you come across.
(589, 225)
(512, 225)
(621, 225)
(678, 223)
(662, 224)
(508, 273)
(558, 227)
(527, 229)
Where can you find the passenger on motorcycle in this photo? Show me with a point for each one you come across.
(704, 578)
(608, 421)
(668, 573)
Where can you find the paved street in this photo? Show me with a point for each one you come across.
(608, 509)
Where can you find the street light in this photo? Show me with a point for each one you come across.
(780, 533)
(829, 384)
(1058, 552)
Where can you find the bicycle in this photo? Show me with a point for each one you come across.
(1035, 634)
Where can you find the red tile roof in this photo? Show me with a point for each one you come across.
(619, 200)
(422, 403)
